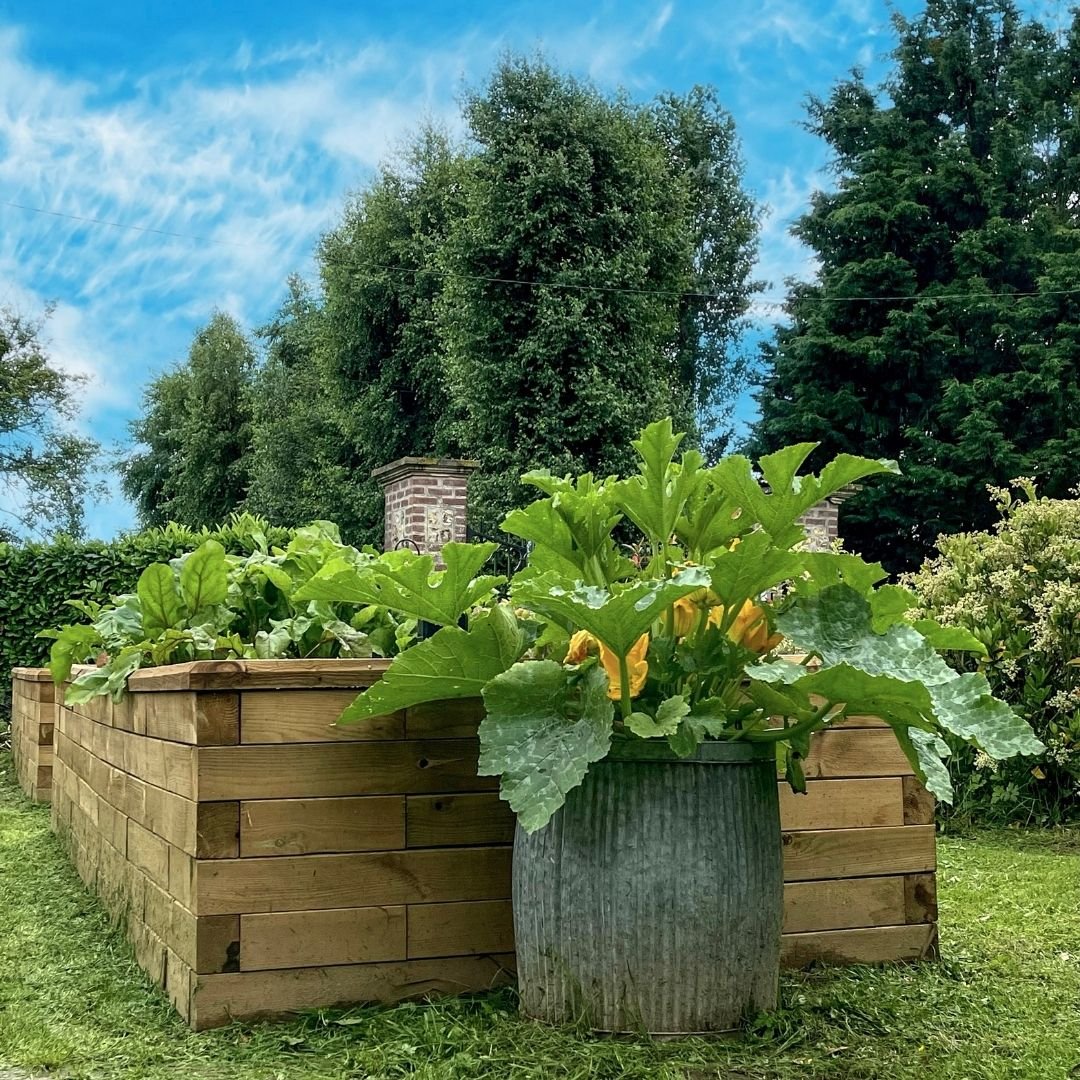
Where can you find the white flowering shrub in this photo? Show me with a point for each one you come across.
(1017, 589)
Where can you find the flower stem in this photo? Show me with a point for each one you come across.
(624, 688)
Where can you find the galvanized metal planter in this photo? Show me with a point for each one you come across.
(652, 901)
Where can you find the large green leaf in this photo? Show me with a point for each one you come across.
(617, 616)
(896, 675)
(654, 500)
(790, 495)
(839, 568)
(453, 663)
(203, 577)
(162, 607)
(748, 569)
(409, 583)
(71, 645)
(544, 727)
(573, 526)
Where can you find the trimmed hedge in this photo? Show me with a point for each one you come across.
(37, 579)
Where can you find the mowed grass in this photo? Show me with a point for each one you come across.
(1004, 1002)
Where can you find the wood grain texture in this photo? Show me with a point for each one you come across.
(312, 826)
(299, 882)
(843, 804)
(304, 770)
(850, 853)
(918, 802)
(456, 719)
(357, 935)
(874, 945)
(217, 999)
(258, 675)
(852, 752)
(845, 903)
(303, 716)
(485, 926)
(920, 898)
(448, 820)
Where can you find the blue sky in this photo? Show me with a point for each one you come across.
(243, 126)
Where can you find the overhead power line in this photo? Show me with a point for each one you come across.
(757, 301)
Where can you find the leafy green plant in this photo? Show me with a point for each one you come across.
(678, 642)
(208, 604)
(1016, 588)
(38, 579)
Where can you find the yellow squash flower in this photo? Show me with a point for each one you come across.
(584, 644)
(750, 628)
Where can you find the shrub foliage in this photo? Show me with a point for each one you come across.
(1017, 589)
(37, 580)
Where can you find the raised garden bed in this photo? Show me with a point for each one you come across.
(265, 861)
(33, 712)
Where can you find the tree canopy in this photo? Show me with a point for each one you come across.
(577, 266)
(45, 465)
(196, 431)
(941, 329)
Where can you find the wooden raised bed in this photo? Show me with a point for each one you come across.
(33, 712)
(267, 862)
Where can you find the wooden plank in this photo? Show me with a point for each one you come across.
(310, 770)
(302, 716)
(846, 853)
(838, 905)
(182, 878)
(455, 719)
(32, 674)
(211, 719)
(447, 820)
(170, 816)
(217, 830)
(920, 898)
(855, 752)
(148, 852)
(874, 945)
(918, 802)
(217, 943)
(295, 939)
(249, 994)
(308, 826)
(179, 983)
(843, 804)
(460, 929)
(370, 879)
(163, 764)
(259, 675)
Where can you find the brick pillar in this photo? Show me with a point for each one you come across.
(822, 522)
(425, 501)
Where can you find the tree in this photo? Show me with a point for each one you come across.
(197, 434)
(300, 468)
(563, 314)
(954, 220)
(704, 151)
(149, 478)
(44, 465)
(382, 355)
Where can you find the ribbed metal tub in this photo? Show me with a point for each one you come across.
(652, 901)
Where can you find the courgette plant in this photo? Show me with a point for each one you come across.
(680, 642)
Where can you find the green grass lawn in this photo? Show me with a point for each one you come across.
(1004, 1002)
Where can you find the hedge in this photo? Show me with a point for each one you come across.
(36, 580)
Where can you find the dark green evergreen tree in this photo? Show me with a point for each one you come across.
(955, 201)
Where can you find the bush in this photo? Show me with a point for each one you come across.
(1017, 588)
(37, 580)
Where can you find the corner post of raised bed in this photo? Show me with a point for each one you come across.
(822, 522)
(426, 502)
